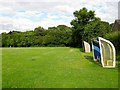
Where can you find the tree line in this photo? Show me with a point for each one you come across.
(86, 26)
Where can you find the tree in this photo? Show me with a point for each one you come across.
(39, 31)
(82, 17)
(65, 34)
(86, 26)
(94, 29)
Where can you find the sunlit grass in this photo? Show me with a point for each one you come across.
(54, 67)
(0, 68)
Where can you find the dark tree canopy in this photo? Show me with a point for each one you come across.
(54, 36)
(86, 26)
(39, 31)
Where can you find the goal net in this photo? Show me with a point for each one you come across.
(104, 51)
(107, 53)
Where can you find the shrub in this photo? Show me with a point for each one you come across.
(114, 37)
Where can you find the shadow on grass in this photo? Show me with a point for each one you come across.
(118, 60)
(80, 48)
(90, 58)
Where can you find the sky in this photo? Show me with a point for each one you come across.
(25, 15)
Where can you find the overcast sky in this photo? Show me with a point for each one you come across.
(22, 15)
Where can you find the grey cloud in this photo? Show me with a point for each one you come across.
(105, 10)
(5, 26)
(119, 10)
(31, 5)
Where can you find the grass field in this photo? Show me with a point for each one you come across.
(0, 68)
(54, 67)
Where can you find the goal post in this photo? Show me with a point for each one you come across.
(86, 47)
(96, 50)
(104, 51)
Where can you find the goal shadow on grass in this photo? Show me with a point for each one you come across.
(90, 59)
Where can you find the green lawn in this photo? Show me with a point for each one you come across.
(0, 68)
(54, 67)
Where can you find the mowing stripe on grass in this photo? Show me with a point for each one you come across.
(54, 67)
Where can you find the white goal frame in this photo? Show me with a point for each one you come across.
(107, 52)
(113, 51)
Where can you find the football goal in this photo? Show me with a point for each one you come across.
(104, 51)
(86, 46)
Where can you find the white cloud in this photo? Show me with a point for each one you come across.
(8, 24)
(28, 14)
(5, 19)
(108, 12)
(65, 8)
(49, 16)
(50, 23)
(24, 24)
(2, 9)
(1, 31)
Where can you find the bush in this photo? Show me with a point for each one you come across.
(114, 37)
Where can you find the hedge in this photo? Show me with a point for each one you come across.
(114, 37)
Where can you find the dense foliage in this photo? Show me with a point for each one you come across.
(54, 36)
(114, 38)
(85, 27)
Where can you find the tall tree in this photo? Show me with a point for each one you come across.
(95, 29)
(86, 26)
(82, 17)
(39, 31)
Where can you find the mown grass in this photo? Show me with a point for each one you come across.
(54, 67)
(0, 68)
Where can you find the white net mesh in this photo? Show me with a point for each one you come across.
(107, 53)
